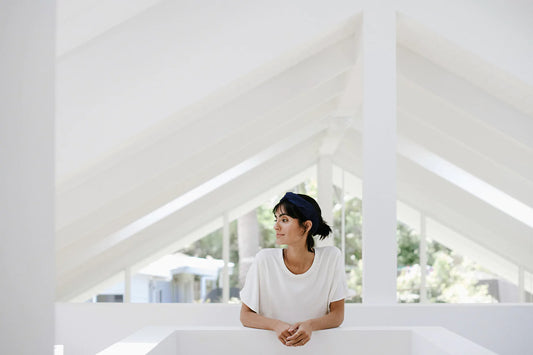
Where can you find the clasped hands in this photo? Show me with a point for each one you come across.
(297, 334)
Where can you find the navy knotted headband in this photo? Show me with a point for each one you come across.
(305, 207)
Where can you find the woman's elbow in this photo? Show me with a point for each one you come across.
(243, 320)
(337, 313)
(245, 315)
(339, 319)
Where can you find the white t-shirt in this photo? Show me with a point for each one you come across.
(272, 290)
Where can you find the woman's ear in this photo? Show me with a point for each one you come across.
(308, 225)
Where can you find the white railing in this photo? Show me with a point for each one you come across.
(240, 340)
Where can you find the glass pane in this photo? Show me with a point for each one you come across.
(451, 276)
(352, 243)
(408, 262)
(202, 280)
(454, 278)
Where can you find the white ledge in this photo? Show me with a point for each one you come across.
(159, 340)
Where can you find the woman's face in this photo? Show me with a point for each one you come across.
(288, 229)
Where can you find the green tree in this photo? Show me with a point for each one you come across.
(453, 280)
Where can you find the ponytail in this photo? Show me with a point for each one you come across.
(323, 230)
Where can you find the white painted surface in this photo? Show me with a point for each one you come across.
(241, 341)
(161, 62)
(497, 30)
(85, 329)
(27, 177)
(324, 174)
(379, 154)
(149, 71)
(129, 86)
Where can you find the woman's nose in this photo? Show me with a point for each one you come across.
(276, 225)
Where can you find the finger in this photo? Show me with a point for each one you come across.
(295, 340)
(295, 335)
(294, 327)
(302, 342)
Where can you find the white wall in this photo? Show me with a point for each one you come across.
(26, 177)
(89, 328)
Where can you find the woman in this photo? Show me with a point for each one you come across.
(298, 289)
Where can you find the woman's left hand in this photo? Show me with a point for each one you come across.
(301, 334)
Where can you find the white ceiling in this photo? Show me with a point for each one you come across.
(167, 108)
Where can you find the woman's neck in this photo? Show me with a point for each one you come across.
(298, 259)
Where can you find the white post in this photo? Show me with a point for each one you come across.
(521, 285)
(225, 256)
(27, 254)
(343, 219)
(379, 153)
(127, 285)
(325, 193)
(203, 291)
(423, 252)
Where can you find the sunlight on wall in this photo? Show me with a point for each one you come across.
(468, 182)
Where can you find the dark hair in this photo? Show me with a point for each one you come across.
(291, 210)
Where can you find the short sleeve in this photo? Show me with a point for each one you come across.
(250, 291)
(339, 289)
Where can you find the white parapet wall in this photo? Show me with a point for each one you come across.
(244, 341)
(503, 329)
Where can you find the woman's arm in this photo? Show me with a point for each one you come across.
(251, 319)
(301, 332)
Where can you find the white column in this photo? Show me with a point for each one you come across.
(203, 289)
(325, 193)
(27, 276)
(127, 285)
(225, 256)
(423, 252)
(521, 285)
(379, 153)
(343, 218)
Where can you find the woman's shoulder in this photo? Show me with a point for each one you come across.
(267, 254)
(329, 251)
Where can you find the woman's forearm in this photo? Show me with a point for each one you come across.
(251, 319)
(328, 321)
(331, 320)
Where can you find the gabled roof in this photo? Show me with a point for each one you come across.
(177, 114)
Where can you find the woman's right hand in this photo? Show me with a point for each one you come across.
(282, 330)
